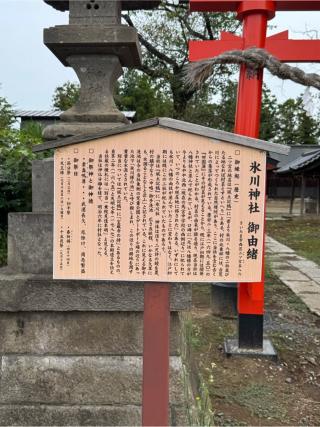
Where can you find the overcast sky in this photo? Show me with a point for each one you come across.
(30, 72)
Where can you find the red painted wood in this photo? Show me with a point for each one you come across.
(206, 49)
(250, 87)
(251, 295)
(278, 45)
(254, 14)
(294, 50)
(232, 5)
(156, 325)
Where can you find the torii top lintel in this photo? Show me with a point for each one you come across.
(243, 6)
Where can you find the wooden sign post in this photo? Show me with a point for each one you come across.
(159, 201)
(255, 15)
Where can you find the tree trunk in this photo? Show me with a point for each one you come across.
(181, 95)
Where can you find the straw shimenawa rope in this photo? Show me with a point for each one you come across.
(198, 72)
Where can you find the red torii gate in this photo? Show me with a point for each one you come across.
(255, 15)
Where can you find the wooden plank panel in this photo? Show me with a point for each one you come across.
(159, 205)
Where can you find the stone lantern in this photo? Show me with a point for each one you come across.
(96, 46)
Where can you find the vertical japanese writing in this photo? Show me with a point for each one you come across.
(170, 214)
(177, 212)
(254, 210)
(131, 210)
(106, 192)
(222, 213)
(209, 216)
(112, 212)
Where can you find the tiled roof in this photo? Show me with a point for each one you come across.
(43, 114)
(37, 113)
(302, 162)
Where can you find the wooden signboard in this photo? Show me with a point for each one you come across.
(159, 204)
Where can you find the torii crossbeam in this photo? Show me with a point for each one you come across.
(254, 14)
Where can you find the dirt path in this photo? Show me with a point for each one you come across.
(260, 391)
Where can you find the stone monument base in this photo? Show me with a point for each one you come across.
(71, 352)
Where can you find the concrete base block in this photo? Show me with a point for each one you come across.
(30, 242)
(22, 292)
(54, 415)
(78, 333)
(80, 380)
(80, 415)
(231, 348)
(224, 300)
(42, 185)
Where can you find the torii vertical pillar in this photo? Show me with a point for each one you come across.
(254, 14)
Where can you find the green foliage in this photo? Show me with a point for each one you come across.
(221, 113)
(33, 130)
(15, 167)
(294, 125)
(137, 92)
(164, 34)
(65, 96)
(205, 415)
(158, 89)
(6, 114)
(192, 331)
(269, 120)
(15, 171)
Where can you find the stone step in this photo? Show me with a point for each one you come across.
(78, 333)
(23, 292)
(80, 415)
(80, 380)
(55, 415)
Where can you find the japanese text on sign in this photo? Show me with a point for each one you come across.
(159, 205)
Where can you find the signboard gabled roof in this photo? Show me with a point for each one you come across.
(174, 125)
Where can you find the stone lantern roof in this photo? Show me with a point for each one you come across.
(63, 5)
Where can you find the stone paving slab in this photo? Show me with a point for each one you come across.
(304, 264)
(281, 265)
(301, 287)
(293, 274)
(302, 276)
(275, 246)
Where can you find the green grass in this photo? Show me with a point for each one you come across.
(300, 234)
(261, 400)
(193, 334)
